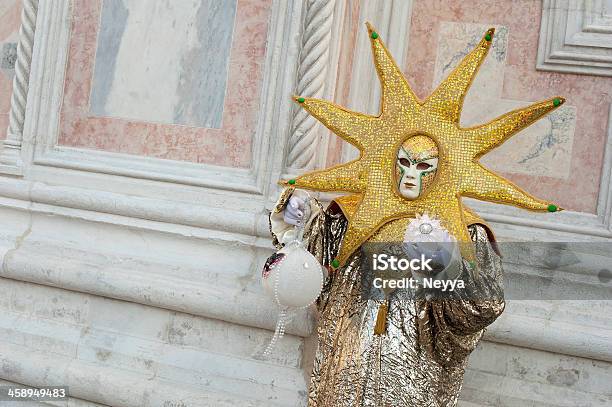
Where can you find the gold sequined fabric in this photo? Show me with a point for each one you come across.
(420, 148)
(402, 116)
(421, 358)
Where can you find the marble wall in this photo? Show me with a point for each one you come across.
(192, 95)
(190, 83)
(10, 17)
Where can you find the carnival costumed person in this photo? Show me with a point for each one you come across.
(415, 165)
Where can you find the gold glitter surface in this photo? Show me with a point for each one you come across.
(371, 177)
(427, 180)
(420, 147)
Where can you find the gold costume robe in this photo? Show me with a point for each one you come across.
(420, 360)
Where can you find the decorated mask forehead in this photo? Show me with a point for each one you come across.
(419, 148)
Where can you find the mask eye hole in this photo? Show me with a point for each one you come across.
(404, 162)
(423, 166)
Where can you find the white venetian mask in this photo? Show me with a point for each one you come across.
(415, 170)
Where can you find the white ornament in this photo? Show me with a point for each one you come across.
(295, 280)
(426, 229)
(293, 277)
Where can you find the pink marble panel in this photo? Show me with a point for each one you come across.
(590, 95)
(10, 21)
(228, 146)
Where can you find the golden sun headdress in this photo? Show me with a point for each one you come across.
(374, 200)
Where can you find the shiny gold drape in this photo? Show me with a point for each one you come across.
(421, 358)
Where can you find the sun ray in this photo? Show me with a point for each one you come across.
(392, 81)
(344, 177)
(350, 126)
(447, 99)
(487, 186)
(492, 134)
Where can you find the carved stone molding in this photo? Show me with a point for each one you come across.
(10, 158)
(318, 53)
(312, 74)
(576, 37)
